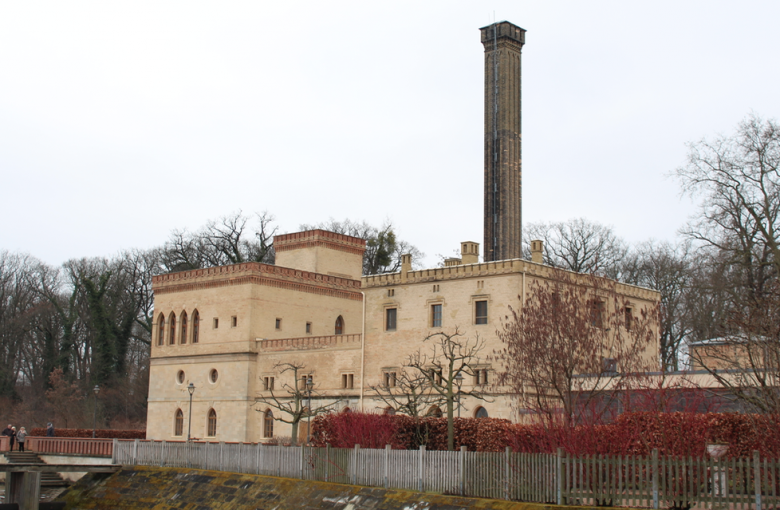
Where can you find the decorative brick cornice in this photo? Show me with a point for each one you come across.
(314, 238)
(311, 342)
(258, 274)
(261, 280)
(254, 268)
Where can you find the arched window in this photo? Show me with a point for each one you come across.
(339, 325)
(346, 410)
(161, 330)
(435, 412)
(481, 412)
(178, 423)
(172, 334)
(268, 424)
(212, 423)
(195, 327)
(183, 327)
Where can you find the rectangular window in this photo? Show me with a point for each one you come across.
(629, 318)
(480, 376)
(597, 313)
(390, 292)
(234, 321)
(216, 323)
(307, 379)
(608, 365)
(308, 328)
(268, 383)
(436, 376)
(391, 315)
(436, 316)
(390, 379)
(278, 323)
(436, 288)
(347, 381)
(480, 312)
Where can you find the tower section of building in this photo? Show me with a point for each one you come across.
(503, 44)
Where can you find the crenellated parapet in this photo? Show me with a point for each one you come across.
(259, 274)
(487, 269)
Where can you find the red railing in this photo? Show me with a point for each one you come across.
(71, 445)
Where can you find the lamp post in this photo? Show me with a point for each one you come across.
(96, 389)
(309, 386)
(191, 390)
(459, 383)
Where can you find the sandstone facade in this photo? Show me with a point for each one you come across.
(252, 316)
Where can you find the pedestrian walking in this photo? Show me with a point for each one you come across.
(13, 437)
(20, 437)
(49, 430)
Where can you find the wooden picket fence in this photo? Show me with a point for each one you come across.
(649, 481)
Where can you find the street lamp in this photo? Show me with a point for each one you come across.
(96, 389)
(191, 389)
(309, 386)
(459, 383)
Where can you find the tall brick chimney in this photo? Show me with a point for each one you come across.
(503, 43)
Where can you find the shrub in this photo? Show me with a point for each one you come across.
(638, 433)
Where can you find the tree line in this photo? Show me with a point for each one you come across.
(65, 330)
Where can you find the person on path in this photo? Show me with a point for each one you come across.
(20, 437)
(8, 431)
(49, 430)
(13, 437)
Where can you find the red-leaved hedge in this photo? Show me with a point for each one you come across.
(677, 434)
(99, 433)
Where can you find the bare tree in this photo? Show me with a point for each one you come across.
(573, 346)
(227, 240)
(737, 179)
(408, 392)
(450, 355)
(669, 269)
(383, 248)
(578, 245)
(291, 402)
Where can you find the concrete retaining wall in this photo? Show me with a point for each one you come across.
(167, 488)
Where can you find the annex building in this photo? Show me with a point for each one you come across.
(227, 329)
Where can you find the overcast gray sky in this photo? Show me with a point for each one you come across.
(120, 121)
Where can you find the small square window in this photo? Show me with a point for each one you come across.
(233, 321)
(481, 312)
(391, 316)
(390, 292)
(347, 381)
(436, 288)
(608, 365)
(268, 383)
(436, 316)
(307, 380)
(278, 323)
(391, 379)
(308, 328)
(480, 376)
(216, 323)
